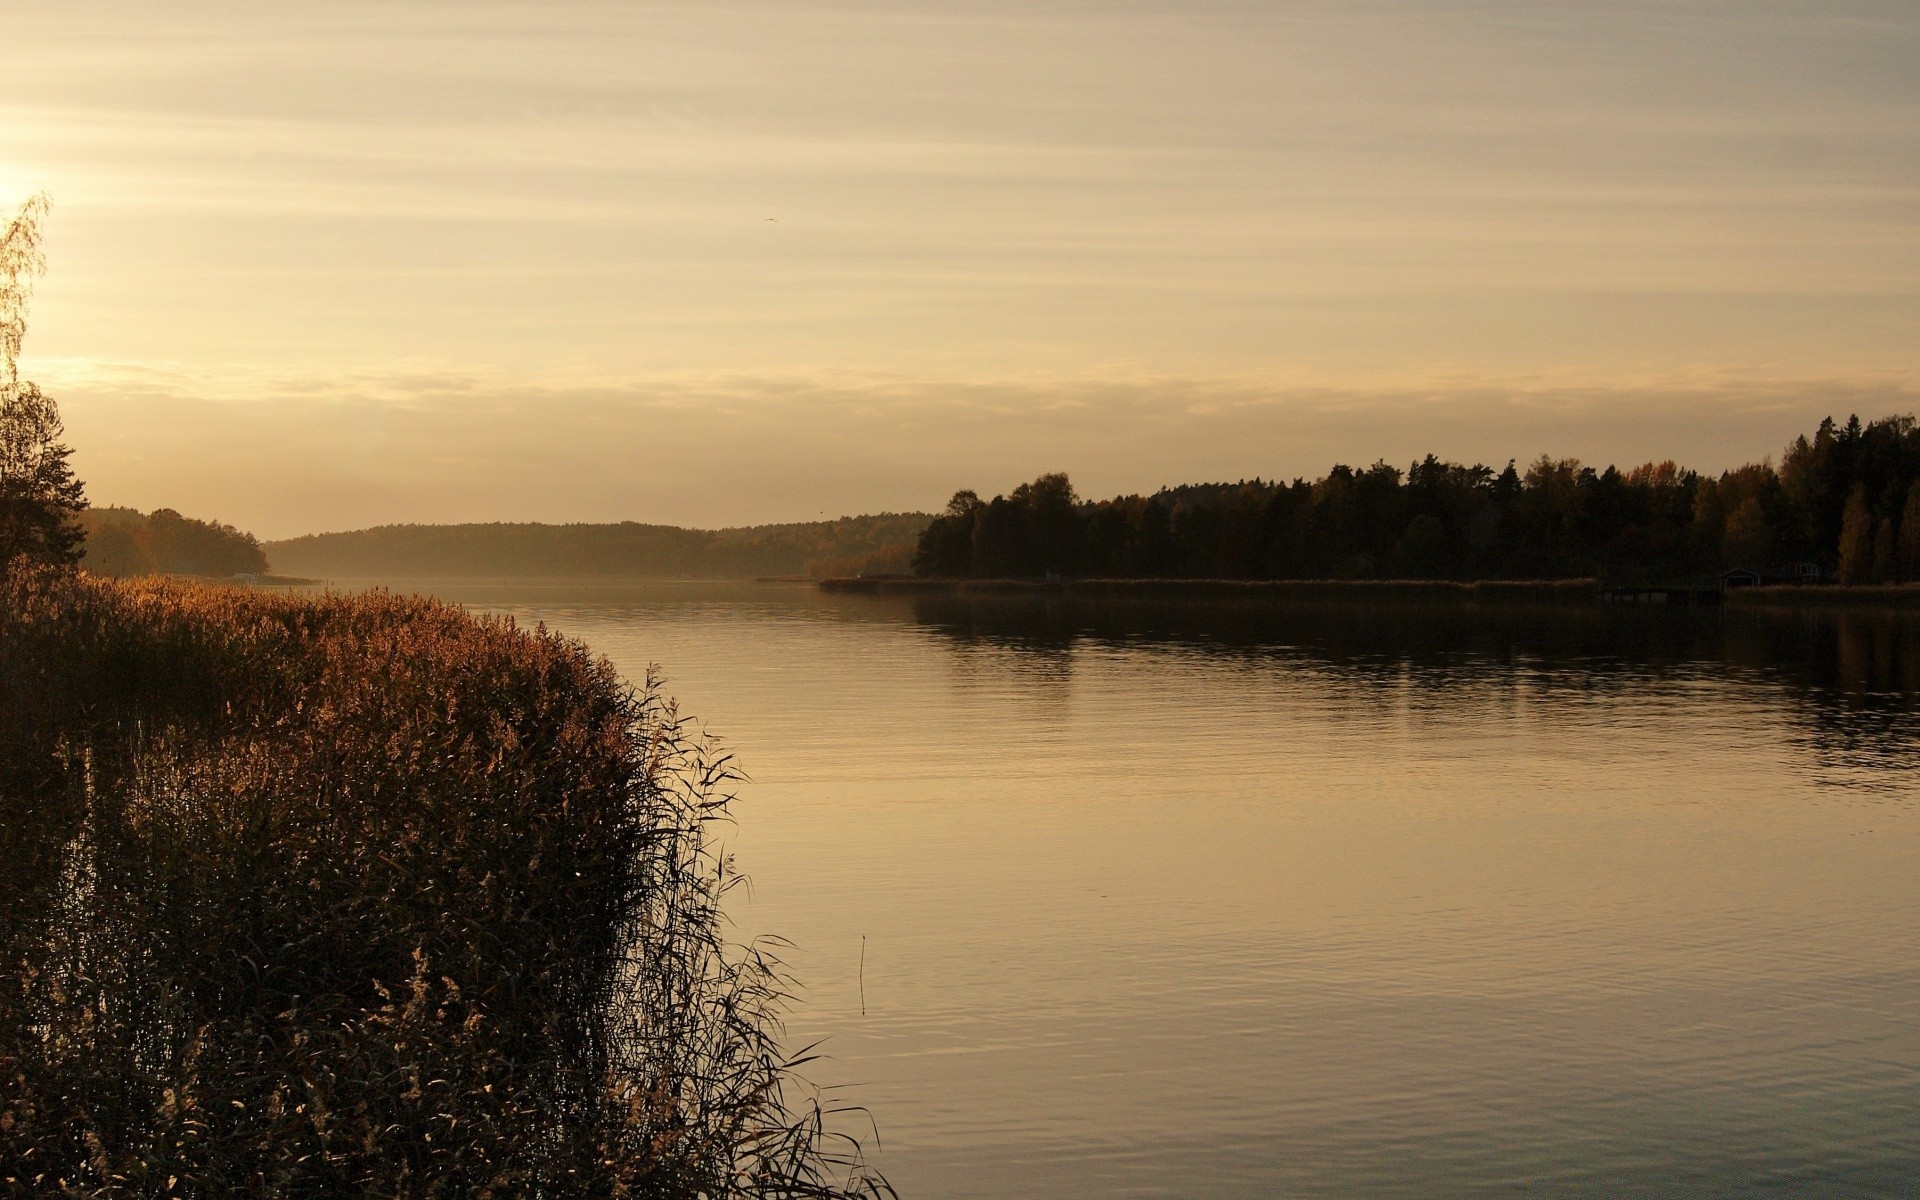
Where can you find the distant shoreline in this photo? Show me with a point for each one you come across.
(1536, 590)
(245, 579)
(1862, 595)
(1218, 589)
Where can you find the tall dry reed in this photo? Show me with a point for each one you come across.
(368, 896)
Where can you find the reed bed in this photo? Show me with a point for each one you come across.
(369, 896)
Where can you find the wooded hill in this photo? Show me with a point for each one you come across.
(125, 541)
(850, 545)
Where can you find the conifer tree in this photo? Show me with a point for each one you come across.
(39, 496)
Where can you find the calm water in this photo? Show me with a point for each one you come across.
(1200, 902)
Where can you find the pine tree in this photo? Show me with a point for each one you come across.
(39, 496)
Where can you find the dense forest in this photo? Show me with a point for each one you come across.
(625, 550)
(1841, 500)
(123, 541)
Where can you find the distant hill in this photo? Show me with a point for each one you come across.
(883, 541)
(126, 541)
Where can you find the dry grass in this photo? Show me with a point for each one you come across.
(367, 896)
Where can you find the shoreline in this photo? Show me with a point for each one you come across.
(1824, 595)
(1226, 589)
(1901, 596)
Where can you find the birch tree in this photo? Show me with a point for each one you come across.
(39, 497)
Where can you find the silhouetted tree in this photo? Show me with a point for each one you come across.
(1842, 497)
(39, 496)
(946, 546)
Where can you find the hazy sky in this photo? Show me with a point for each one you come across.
(323, 265)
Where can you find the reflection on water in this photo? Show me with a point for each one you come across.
(1180, 900)
(1853, 674)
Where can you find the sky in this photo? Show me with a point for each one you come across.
(323, 266)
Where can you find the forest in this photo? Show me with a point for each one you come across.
(623, 550)
(1840, 500)
(123, 542)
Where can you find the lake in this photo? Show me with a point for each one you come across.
(1141, 900)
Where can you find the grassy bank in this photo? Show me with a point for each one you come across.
(366, 896)
(1231, 589)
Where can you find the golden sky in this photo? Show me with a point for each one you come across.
(324, 265)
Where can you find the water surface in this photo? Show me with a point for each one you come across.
(1204, 901)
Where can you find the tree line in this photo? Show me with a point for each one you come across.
(625, 549)
(1841, 500)
(124, 541)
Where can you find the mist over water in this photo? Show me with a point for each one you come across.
(1216, 902)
